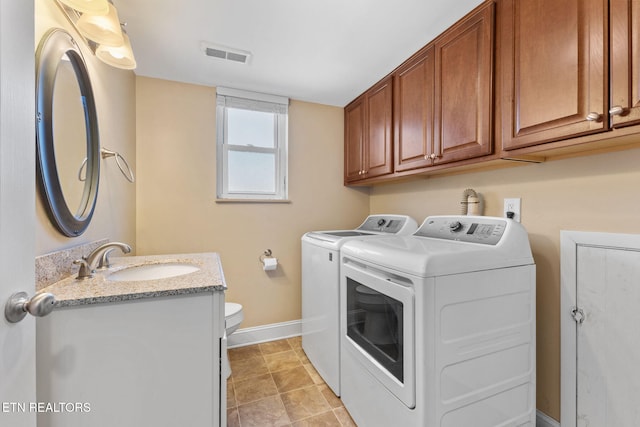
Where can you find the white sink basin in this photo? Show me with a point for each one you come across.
(152, 272)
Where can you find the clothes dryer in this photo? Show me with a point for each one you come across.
(320, 288)
(454, 312)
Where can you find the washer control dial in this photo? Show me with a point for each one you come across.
(455, 226)
(381, 222)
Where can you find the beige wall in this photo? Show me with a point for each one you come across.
(595, 193)
(114, 92)
(177, 211)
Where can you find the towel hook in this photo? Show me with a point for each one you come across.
(126, 169)
(106, 153)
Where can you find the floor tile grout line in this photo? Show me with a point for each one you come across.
(279, 393)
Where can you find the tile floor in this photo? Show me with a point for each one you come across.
(274, 384)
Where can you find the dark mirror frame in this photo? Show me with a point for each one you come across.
(53, 46)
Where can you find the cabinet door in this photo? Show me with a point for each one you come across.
(413, 111)
(354, 139)
(378, 149)
(554, 70)
(600, 345)
(625, 58)
(464, 89)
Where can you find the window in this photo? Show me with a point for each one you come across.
(251, 145)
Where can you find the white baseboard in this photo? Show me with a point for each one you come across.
(258, 334)
(543, 420)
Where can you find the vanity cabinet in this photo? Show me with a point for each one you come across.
(147, 362)
(554, 70)
(368, 134)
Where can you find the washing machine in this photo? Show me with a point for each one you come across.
(438, 328)
(320, 288)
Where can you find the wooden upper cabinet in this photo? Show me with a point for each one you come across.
(444, 96)
(378, 158)
(464, 88)
(353, 140)
(413, 111)
(554, 74)
(624, 18)
(369, 133)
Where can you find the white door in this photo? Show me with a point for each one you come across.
(600, 334)
(17, 208)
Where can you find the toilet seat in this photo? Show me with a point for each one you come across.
(233, 316)
(231, 309)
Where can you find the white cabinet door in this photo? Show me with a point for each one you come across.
(17, 209)
(600, 334)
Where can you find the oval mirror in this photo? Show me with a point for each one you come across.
(67, 139)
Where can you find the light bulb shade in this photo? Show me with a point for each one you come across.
(102, 29)
(118, 56)
(98, 7)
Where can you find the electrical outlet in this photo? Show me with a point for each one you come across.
(512, 205)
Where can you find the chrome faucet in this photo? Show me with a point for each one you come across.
(98, 258)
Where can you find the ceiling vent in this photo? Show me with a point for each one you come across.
(226, 53)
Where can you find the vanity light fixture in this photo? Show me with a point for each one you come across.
(101, 28)
(99, 7)
(117, 56)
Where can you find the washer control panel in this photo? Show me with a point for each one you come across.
(486, 231)
(384, 223)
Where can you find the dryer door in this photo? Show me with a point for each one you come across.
(378, 326)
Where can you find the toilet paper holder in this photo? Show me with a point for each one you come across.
(265, 254)
(268, 261)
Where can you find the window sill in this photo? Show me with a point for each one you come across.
(253, 201)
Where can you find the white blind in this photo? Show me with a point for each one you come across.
(246, 100)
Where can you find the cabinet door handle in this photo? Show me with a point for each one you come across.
(616, 110)
(593, 117)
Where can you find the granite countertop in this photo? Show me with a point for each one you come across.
(99, 289)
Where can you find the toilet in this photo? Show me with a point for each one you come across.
(377, 318)
(233, 316)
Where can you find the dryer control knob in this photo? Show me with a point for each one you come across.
(455, 226)
(381, 222)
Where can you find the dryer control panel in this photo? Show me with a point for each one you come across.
(481, 230)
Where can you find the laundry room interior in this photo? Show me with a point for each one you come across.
(163, 128)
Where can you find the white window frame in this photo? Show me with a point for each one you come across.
(233, 98)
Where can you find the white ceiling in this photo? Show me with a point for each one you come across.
(326, 52)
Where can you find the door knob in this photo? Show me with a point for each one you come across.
(19, 305)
